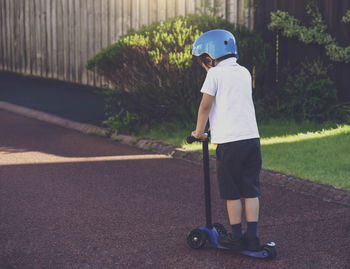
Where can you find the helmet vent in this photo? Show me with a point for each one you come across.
(225, 42)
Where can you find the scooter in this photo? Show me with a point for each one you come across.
(210, 232)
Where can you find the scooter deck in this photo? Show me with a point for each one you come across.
(267, 251)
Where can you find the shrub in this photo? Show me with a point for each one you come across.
(154, 73)
(309, 93)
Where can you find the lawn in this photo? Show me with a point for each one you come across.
(318, 152)
(322, 156)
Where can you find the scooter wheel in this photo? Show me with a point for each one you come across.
(271, 250)
(196, 239)
(220, 228)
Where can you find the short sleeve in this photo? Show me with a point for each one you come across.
(210, 84)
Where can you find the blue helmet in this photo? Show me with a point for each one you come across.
(216, 43)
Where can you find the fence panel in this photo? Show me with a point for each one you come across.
(55, 38)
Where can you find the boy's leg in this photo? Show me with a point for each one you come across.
(234, 210)
(251, 192)
(233, 240)
(252, 209)
(252, 216)
(228, 163)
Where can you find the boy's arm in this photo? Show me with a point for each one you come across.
(203, 115)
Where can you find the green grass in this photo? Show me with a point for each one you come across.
(322, 156)
(318, 152)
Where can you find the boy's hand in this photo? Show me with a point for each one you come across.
(201, 137)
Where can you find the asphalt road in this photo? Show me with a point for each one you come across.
(69, 200)
(68, 100)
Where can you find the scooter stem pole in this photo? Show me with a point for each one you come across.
(207, 184)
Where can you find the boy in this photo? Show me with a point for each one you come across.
(227, 102)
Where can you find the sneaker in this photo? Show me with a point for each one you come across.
(229, 242)
(251, 243)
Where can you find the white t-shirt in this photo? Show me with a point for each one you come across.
(232, 116)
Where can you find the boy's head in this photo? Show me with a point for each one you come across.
(215, 45)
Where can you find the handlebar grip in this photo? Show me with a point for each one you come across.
(191, 139)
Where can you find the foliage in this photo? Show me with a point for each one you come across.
(156, 77)
(119, 119)
(346, 17)
(316, 33)
(309, 93)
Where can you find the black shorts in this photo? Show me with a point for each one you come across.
(238, 168)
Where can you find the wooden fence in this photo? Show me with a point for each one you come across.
(55, 38)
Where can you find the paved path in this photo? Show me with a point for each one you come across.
(69, 200)
(67, 100)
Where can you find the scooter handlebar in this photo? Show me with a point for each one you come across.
(192, 139)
